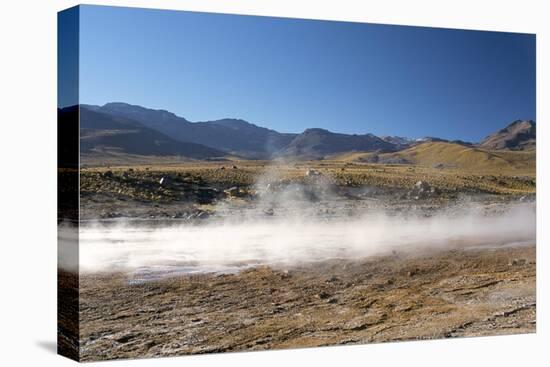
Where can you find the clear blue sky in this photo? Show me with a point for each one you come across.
(290, 74)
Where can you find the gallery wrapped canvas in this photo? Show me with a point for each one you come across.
(236, 183)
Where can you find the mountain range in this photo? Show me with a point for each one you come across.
(131, 129)
(233, 136)
(100, 131)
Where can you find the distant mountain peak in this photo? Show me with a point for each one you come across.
(115, 104)
(518, 135)
(232, 123)
(316, 130)
(518, 124)
(400, 142)
(136, 110)
(317, 143)
(104, 133)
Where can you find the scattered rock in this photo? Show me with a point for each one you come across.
(203, 215)
(412, 273)
(517, 262)
(422, 186)
(198, 215)
(422, 190)
(206, 195)
(235, 192)
(126, 338)
(312, 173)
(322, 295)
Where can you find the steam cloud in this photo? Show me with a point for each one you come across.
(247, 237)
(229, 246)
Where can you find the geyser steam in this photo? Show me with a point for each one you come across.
(230, 246)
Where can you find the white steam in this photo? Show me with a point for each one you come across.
(289, 223)
(227, 246)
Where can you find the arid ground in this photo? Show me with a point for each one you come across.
(425, 296)
(449, 291)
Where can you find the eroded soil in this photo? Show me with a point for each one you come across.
(399, 297)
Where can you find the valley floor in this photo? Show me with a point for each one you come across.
(399, 296)
(184, 191)
(451, 293)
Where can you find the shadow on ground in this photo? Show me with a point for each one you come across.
(48, 345)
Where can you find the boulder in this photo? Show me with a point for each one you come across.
(312, 173)
(235, 192)
(422, 186)
(423, 190)
(203, 215)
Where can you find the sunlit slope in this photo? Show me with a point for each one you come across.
(444, 155)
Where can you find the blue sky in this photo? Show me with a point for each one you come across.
(290, 74)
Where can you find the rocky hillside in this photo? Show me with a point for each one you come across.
(519, 135)
(318, 143)
(103, 134)
(398, 141)
(455, 156)
(233, 136)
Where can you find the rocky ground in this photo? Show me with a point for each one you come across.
(191, 192)
(399, 297)
(405, 296)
